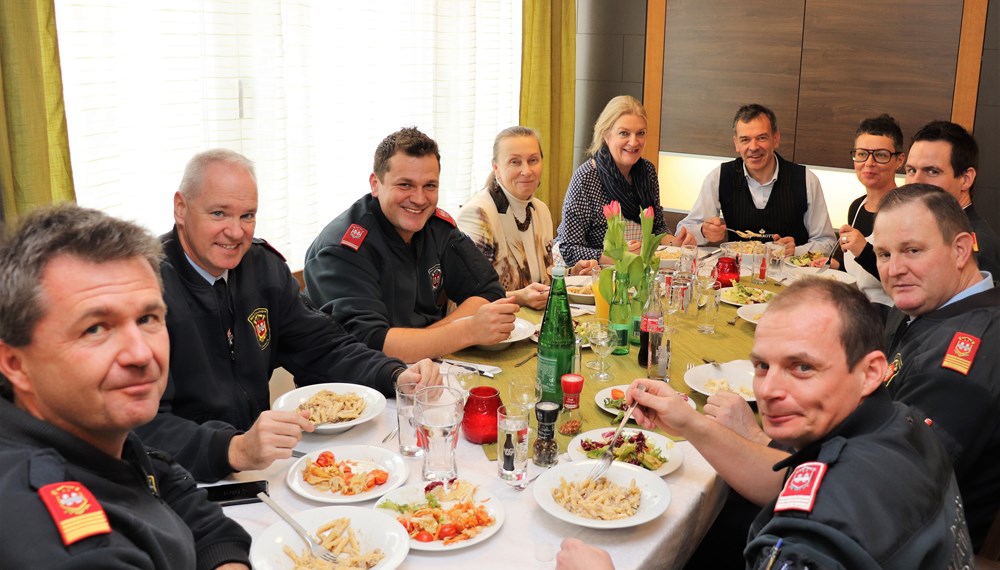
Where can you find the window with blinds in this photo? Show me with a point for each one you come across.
(306, 89)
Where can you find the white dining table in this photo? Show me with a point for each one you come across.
(529, 537)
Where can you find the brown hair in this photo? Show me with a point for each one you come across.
(509, 133)
(409, 141)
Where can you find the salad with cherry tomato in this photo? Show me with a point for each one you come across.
(447, 513)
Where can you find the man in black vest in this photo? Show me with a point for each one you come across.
(761, 192)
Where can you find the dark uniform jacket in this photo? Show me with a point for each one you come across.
(877, 492)
(154, 514)
(361, 271)
(214, 393)
(946, 363)
(987, 243)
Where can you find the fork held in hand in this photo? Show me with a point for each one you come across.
(604, 462)
(317, 550)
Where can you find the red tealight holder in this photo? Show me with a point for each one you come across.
(728, 271)
(479, 422)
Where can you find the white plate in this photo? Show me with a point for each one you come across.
(795, 273)
(737, 372)
(374, 403)
(538, 329)
(579, 281)
(374, 530)
(654, 501)
(722, 296)
(368, 457)
(606, 393)
(673, 454)
(415, 493)
(752, 313)
(522, 330)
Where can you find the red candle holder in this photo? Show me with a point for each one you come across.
(728, 271)
(479, 422)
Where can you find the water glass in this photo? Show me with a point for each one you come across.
(775, 259)
(479, 420)
(758, 264)
(405, 405)
(439, 419)
(689, 256)
(708, 308)
(603, 341)
(681, 293)
(512, 443)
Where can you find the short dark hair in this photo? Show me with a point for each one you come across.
(964, 149)
(883, 125)
(951, 219)
(408, 140)
(48, 232)
(747, 113)
(860, 325)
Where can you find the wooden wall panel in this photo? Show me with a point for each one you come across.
(862, 58)
(720, 54)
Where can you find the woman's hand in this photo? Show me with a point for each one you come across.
(851, 240)
(533, 296)
(583, 267)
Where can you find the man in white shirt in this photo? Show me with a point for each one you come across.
(761, 192)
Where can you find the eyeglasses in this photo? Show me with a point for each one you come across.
(881, 155)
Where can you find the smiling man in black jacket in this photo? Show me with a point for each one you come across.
(235, 315)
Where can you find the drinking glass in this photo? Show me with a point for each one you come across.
(689, 255)
(681, 293)
(479, 420)
(758, 264)
(406, 402)
(462, 379)
(512, 443)
(439, 419)
(708, 307)
(594, 364)
(525, 391)
(603, 341)
(602, 306)
(775, 259)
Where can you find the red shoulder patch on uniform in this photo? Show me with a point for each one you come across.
(354, 237)
(975, 242)
(961, 352)
(801, 487)
(75, 511)
(445, 216)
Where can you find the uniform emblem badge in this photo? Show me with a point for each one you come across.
(437, 276)
(445, 216)
(799, 493)
(961, 352)
(354, 236)
(893, 369)
(261, 327)
(75, 511)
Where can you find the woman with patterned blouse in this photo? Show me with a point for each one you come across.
(508, 224)
(616, 171)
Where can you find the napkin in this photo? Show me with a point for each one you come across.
(577, 310)
(448, 363)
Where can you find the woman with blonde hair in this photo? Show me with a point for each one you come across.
(615, 171)
(511, 227)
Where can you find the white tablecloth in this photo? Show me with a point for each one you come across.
(530, 537)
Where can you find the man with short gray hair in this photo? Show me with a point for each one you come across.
(84, 354)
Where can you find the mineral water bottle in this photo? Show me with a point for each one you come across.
(556, 339)
(620, 315)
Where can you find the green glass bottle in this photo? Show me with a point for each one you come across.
(620, 314)
(556, 339)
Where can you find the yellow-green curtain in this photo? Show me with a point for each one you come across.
(34, 146)
(548, 90)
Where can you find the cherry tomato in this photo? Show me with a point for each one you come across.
(381, 476)
(617, 394)
(325, 459)
(424, 536)
(447, 531)
(407, 524)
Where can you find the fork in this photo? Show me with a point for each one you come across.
(604, 462)
(829, 256)
(317, 550)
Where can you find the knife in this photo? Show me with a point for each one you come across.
(465, 366)
(707, 255)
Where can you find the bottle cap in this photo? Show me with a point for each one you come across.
(559, 270)
(572, 383)
(546, 412)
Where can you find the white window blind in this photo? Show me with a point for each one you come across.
(306, 89)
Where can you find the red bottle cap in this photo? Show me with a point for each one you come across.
(572, 383)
